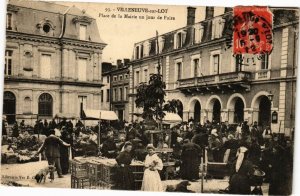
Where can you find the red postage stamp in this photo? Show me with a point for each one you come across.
(252, 30)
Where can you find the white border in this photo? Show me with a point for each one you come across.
(52, 191)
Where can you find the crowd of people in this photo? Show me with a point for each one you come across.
(246, 148)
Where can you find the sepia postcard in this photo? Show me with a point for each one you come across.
(156, 98)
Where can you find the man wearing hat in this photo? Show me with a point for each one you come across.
(51, 148)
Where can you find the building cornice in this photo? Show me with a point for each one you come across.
(180, 50)
(81, 43)
(82, 19)
(12, 8)
(54, 40)
(31, 37)
(53, 81)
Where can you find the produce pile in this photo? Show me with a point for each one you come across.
(20, 150)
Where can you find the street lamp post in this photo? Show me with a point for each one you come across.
(270, 97)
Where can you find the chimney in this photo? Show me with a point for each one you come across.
(209, 12)
(190, 16)
(119, 63)
(228, 9)
(126, 61)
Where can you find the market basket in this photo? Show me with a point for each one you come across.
(101, 170)
(78, 169)
(79, 183)
(107, 173)
(103, 186)
(94, 171)
(137, 169)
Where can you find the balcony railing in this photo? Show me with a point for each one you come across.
(263, 74)
(231, 77)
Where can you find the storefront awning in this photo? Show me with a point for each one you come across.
(172, 118)
(67, 115)
(102, 114)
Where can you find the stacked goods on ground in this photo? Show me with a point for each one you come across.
(100, 173)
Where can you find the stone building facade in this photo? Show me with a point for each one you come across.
(52, 61)
(200, 70)
(105, 90)
(120, 90)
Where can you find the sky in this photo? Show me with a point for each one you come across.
(120, 34)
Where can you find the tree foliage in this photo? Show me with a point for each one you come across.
(173, 106)
(151, 97)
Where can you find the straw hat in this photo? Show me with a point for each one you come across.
(150, 146)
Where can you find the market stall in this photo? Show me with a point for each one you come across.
(71, 116)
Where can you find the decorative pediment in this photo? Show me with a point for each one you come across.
(83, 19)
(83, 54)
(12, 8)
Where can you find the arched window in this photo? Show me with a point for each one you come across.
(45, 104)
(9, 107)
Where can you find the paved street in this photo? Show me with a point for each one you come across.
(24, 174)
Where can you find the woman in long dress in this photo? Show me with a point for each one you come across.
(153, 164)
(125, 178)
(239, 182)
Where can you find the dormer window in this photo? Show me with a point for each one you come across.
(82, 32)
(146, 46)
(179, 39)
(217, 27)
(46, 28)
(142, 51)
(137, 52)
(161, 41)
(198, 33)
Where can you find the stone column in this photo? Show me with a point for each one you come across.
(65, 101)
(65, 62)
(58, 64)
(209, 114)
(185, 116)
(255, 112)
(167, 71)
(99, 76)
(203, 116)
(95, 67)
(231, 116)
(35, 61)
(224, 115)
(248, 115)
(18, 71)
